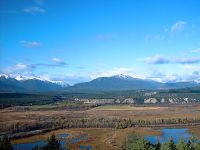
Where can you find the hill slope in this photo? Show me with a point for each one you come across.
(122, 82)
(8, 84)
(113, 83)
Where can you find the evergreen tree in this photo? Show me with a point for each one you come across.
(130, 141)
(197, 147)
(182, 145)
(52, 144)
(193, 143)
(5, 143)
(137, 142)
(38, 148)
(142, 144)
(158, 145)
(168, 145)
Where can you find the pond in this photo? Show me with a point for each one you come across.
(28, 146)
(62, 138)
(168, 133)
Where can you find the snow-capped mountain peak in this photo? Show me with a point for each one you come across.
(122, 76)
(24, 78)
(62, 83)
(4, 76)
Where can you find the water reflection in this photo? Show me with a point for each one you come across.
(167, 134)
(63, 138)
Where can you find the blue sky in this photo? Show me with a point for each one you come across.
(79, 40)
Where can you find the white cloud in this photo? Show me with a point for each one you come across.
(178, 26)
(157, 59)
(162, 76)
(112, 72)
(45, 77)
(70, 78)
(164, 34)
(191, 68)
(195, 50)
(58, 61)
(191, 60)
(30, 44)
(34, 10)
(186, 72)
(19, 67)
(23, 68)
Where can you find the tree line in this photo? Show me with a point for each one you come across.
(61, 122)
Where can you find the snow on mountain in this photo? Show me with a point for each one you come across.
(4, 76)
(24, 78)
(122, 76)
(62, 83)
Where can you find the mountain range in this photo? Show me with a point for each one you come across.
(113, 83)
(8, 84)
(124, 82)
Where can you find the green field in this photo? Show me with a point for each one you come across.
(114, 107)
(126, 107)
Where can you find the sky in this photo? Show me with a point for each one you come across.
(80, 40)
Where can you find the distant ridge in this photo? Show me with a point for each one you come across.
(124, 82)
(113, 83)
(8, 84)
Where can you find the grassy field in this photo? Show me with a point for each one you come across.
(15, 117)
(146, 112)
(195, 130)
(126, 107)
(99, 138)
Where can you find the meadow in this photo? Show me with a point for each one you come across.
(106, 126)
(27, 118)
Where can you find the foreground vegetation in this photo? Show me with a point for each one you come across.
(104, 138)
(5, 143)
(52, 144)
(137, 142)
(133, 142)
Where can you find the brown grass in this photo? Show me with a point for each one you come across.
(11, 117)
(99, 138)
(195, 130)
(127, 107)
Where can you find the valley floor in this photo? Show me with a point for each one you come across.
(19, 118)
(99, 138)
(57, 120)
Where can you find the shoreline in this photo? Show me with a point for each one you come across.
(22, 135)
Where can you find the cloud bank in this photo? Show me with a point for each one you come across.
(178, 26)
(23, 67)
(34, 10)
(30, 44)
(158, 59)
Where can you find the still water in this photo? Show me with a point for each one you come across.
(167, 134)
(62, 137)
